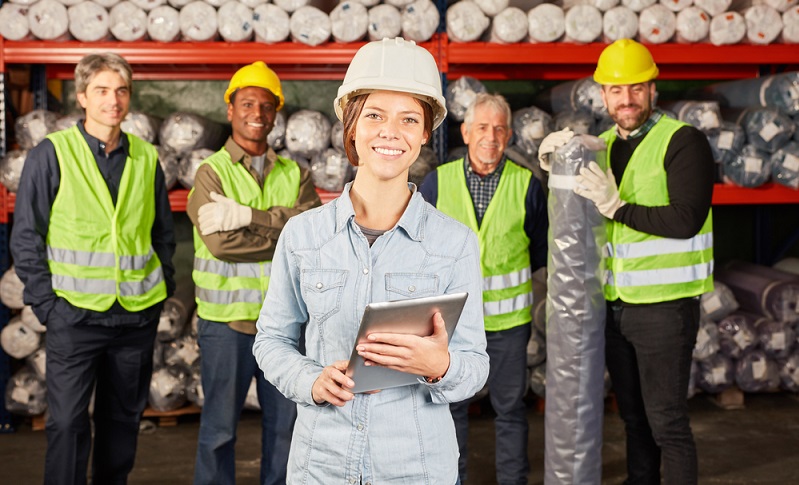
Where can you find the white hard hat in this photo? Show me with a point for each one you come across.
(393, 65)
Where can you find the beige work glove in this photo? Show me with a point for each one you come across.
(550, 143)
(599, 187)
(223, 214)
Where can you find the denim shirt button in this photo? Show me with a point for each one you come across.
(319, 286)
(411, 288)
(360, 427)
(366, 271)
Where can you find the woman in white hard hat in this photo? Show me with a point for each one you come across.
(378, 241)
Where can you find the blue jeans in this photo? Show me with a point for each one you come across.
(227, 369)
(507, 385)
(648, 354)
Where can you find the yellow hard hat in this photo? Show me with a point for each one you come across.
(257, 75)
(625, 62)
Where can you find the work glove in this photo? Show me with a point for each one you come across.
(550, 143)
(223, 214)
(599, 187)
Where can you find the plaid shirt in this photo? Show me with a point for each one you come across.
(644, 129)
(482, 188)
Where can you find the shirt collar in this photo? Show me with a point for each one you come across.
(644, 129)
(98, 147)
(238, 155)
(411, 220)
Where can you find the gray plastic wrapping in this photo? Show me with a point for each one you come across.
(716, 374)
(751, 168)
(726, 142)
(19, 341)
(291, 6)
(31, 320)
(576, 95)
(48, 20)
(168, 388)
(767, 128)
(37, 362)
(705, 115)
(176, 311)
(31, 128)
(163, 24)
(348, 21)
(693, 24)
(337, 136)
(235, 22)
(575, 321)
(301, 161)
(790, 26)
(148, 5)
(727, 28)
(189, 165)
(530, 126)
(277, 137)
(127, 22)
(466, 22)
(713, 7)
(420, 20)
(183, 132)
(779, 91)
(583, 24)
(184, 351)
(14, 22)
(68, 121)
(789, 373)
(763, 290)
(604, 5)
(536, 349)
(330, 170)
(170, 164)
(547, 23)
(656, 24)
(88, 22)
(251, 399)
(270, 23)
(492, 7)
(718, 303)
(509, 26)
(755, 372)
(425, 163)
(788, 265)
(785, 165)
(538, 380)
(737, 334)
(11, 168)
(638, 5)
(777, 339)
(310, 26)
(142, 125)
(763, 24)
(692, 378)
(385, 21)
(580, 122)
(539, 281)
(619, 23)
(26, 393)
(460, 94)
(198, 22)
(707, 341)
(194, 388)
(307, 133)
(11, 289)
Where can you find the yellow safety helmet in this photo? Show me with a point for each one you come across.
(625, 62)
(258, 75)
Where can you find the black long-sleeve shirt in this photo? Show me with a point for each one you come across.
(38, 186)
(689, 176)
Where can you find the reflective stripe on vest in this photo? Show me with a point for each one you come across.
(643, 268)
(226, 291)
(99, 252)
(504, 245)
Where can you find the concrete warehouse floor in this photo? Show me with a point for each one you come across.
(755, 445)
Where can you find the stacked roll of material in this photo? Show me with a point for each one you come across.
(26, 394)
(307, 133)
(460, 94)
(11, 168)
(762, 290)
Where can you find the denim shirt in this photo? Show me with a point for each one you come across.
(323, 275)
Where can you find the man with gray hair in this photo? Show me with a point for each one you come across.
(93, 241)
(504, 204)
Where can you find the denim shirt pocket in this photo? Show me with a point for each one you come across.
(322, 290)
(404, 286)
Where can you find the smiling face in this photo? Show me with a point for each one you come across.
(106, 101)
(389, 133)
(487, 137)
(629, 105)
(252, 116)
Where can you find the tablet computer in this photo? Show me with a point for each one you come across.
(414, 316)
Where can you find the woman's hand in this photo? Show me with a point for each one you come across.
(331, 385)
(424, 356)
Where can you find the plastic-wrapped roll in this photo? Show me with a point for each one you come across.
(785, 165)
(763, 24)
(780, 5)
(158, 355)
(170, 164)
(106, 3)
(713, 7)
(277, 137)
(48, 20)
(705, 115)
(18, 340)
(656, 24)
(194, 388)
(677, 5)
(693, 25)
(253, 3)
(198, 22)
(788, 265)
(400, 4)
(235, 21)
(128, 22)
(330, 170)
(183, 132)
(580, 94)
(604, 5)
(301, 161)
(148, 5)
(727, 28)
(37, 362)
(310, 26)
(707, 341)
(762, 290)
(538, 380)
(755, 372)
(492, 8)
(420, 20)
(580, 122)
(385, 21)
(348, 21)
(777, 339)
(546, 22)
(270, 23)
(638, 5)
(575, 321)
(619, 23)
(307, 133)
(727, 141)
(168, 388)
(424, 164)
(767, 128)
(291, 6)
(790, 26)
(189, 165)
(31, 320)
(777, 91)
(466, 22)
(142, 125)
(177, 309)
(178, 4)
(251, 399)
(751, 168)
(789, 373)
(509, 26)
(337, 136)
(460, 94)
(737, 334)
(31, 128)
(182, 351)
(539, 280)
(718, 303)
(14, 22)
(163, 24)
(26, 393)
(716, 374)
(583, 24)
(11, 168)
(11, 288)
(536, 349)
(456, 153)
(68, 121)
(530, 126)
